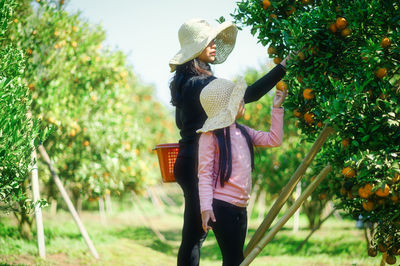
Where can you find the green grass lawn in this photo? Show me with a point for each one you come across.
(127, 239)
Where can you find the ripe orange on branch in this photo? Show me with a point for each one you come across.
(332, 28)
(365, 191)
(345, 32)
(271, 50)
(348, 172)
(381, 72)
(308, 94)
(385, 43)
(277, 60)
(296, 113)
(341, 23)
(291, 10)
(383, 193)
(368, 205)
(309, 118)
(266, 4)
(345, 143)
(281, 85)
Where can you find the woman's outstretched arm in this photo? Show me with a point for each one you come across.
(263, 85)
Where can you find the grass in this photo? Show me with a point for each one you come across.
(127, 239)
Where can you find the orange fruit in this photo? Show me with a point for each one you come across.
(301, 56)
(372, 252)
(322, 196)
(281, 85)
(31, 87)
(291, 10)
(271, 50)
(309, 118)
(296, 113)
(391, 259)
(86, 143)
(273, 16)
(345, 32)
(300, 79)
(320, 124)
(305, 2)
(308, 94)
(368, 205)
(396, 178)
(381, 72)
(394, 198)
(384, 192)
(266, 4)
(72, 133)
(341, 23)
(277, 60)
(345, 143)
(385, 43)
(332, 28)
(366, 191)
(348, 172)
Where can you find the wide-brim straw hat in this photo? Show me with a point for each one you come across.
(194, 36)
(220, 100)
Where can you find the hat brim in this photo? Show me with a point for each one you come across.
(228, 116)
(224, 36)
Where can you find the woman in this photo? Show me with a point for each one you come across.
(201, 45)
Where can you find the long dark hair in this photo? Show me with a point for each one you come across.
(193, 67)
(225, 152)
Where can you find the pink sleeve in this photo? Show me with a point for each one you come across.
(273, 138)
(207, 150)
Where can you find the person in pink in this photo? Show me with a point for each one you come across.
(226, 160)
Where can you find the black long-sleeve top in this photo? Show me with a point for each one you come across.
(190, 115)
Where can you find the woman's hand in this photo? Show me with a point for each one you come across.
(279, 98)
(289, 57)
(205, 217)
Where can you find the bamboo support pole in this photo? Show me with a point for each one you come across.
(38, 210)
(288, 189)
(102, 211)
(268, 237)
(296, 220)
(67, 200)
(146, 219)
(36, 197)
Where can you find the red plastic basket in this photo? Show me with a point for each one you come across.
(166, 157)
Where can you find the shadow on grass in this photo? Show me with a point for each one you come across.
(145, 236)
(331, 246)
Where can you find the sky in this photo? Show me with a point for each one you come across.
(148, 32)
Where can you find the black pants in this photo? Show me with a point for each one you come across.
(193, 236)
(230, 231)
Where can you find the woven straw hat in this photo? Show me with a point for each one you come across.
(195, 34)
(220, 100)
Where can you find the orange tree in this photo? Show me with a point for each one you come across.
(346, 73)
(274, 167)
(104, 121)
(16, 132)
